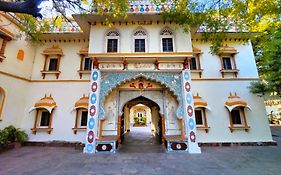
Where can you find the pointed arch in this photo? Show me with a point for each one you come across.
(140, 31)
(166, 31)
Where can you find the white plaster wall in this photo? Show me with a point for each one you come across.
(182, 40)
(211, 64)
(215, 93)
(14, 103)
(14, 66)
(70, 61)
(11, 64)
(65, 95)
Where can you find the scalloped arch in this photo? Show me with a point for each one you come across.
(171, 81)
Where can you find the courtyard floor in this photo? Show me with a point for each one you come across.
(141, 155)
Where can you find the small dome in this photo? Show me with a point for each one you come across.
(83, 102)
(234, 101)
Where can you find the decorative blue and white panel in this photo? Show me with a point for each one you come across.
(189, 114)
(105, 147)
(93, 108)
(177, 146)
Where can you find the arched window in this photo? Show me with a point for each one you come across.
(112, 41)
(167, 40)
(237, 115)
(2, 100)
(140, 41)
(44, 114)
(200, 113)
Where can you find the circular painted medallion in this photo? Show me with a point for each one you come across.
(191, 123)
(92, 110)
(188, 99)
(187, 87)
(90, 148)
(90, 136)
(93, 98)
(189, 111)
(192, 136)
(91, 123)
(178, 146)
(103, 147)
(94, 86)
(186, 76)
(95, 76)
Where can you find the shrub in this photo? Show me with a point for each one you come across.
(136, 120)
(144, 120)
(4, 137)
(11, 134)
(20, 136)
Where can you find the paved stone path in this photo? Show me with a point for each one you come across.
(140, 140)
(213, 160)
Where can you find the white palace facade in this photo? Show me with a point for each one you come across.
(79, 86)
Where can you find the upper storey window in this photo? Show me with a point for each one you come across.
(53, 64)
(167, 40)
(87, 63)
(52, 61)
(140, 38)
(228, 61)
(112, 41)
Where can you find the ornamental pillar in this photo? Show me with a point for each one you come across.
(92, 124)
(189, 114)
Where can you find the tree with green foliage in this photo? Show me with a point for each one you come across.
(269, 60)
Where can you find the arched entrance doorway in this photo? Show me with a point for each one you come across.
(115, 119)
(141, 127)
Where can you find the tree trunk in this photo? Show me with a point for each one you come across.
(27, 7)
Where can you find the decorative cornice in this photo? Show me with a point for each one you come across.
(78, 80)
(54, 50)
(143, 55)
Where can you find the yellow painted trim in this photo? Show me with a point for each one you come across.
(8, 17)
(14, 76)
(7, 32)
(2, 102)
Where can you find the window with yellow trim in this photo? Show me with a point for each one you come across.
(200, 118)
(237, 119)
(80, 120)
(43, 121)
